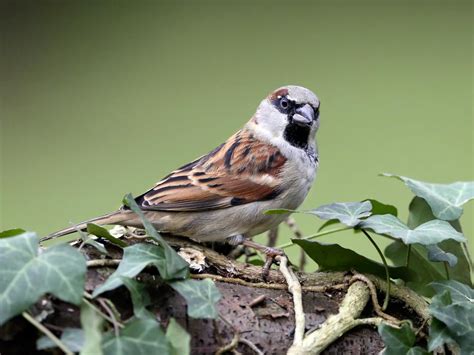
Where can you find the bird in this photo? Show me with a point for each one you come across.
(270, 163)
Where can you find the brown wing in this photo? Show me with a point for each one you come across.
(240, 171)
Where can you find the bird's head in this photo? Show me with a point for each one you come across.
(290, 112)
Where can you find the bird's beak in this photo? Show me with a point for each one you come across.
(304, 116)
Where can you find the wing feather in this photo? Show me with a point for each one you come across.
(240, 171)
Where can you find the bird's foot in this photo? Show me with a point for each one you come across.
(270, 253)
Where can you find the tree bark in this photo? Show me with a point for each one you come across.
(254, 315)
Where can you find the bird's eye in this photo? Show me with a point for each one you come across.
(284, 103)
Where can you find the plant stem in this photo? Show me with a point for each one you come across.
(446, 268)
(48, 333)
(407, 262)
(387, 274)
(99, 312)
(289, 244)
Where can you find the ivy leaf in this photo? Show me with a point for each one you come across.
(333, 257)
(178, 338)
(11, 232)
(327, 224)
(445, 200)
(140, 297)
(460, 293)
(281, 211)
(425, 270)
(100, 247)
(419, 213)
(439, 335)
(382, 208)
(73, 338)
(417, 351)
(141, 336)
(135, 259)
(201, 297)
(175, 266)
(431, 232)
(456, 311)
(458, 318)
(436, 254)
(397, 341)
(348, 213)
(26, 276)
(99, 231)
(91, 323)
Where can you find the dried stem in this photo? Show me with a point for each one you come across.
(294, 287)
(47, 332)
(290, 221)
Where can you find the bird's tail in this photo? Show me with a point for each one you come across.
(110, 218)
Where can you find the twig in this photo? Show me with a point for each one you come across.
(272, 237)
(376, 321)
(406, 295)
(349, 310)
(317, 235)
(294, 287)
(103, 262)
(102, 314)
(47, 332)
(387, 274)
(375, 302)
(257, 300)
(235, 339)
(290, 221)
(251, 346)
(111, 315)
(232, 345)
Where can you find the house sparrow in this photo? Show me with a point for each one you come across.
(222, 196)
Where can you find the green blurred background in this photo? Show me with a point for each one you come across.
(104, 98)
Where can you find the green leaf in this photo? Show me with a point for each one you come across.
(175, 267)
(99, 231)
(201, 297)
(436, 254)
(100, 248)
(281, 211)
(91, 323)
(445, 200)
(439, 335)
(178, 338)
(11, 232)
(460, 293)
(397, 341)
(425, 270)
(382, 208)
(417, 351)
(73, 338)
(26, 276)
(459, 318)
(140, 297)
(327, 224)
(431, 232)
(348, 213)
(333, 257)
(420, 213)
(139, 337)
(135, 259)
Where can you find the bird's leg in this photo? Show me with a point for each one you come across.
(269, 252)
